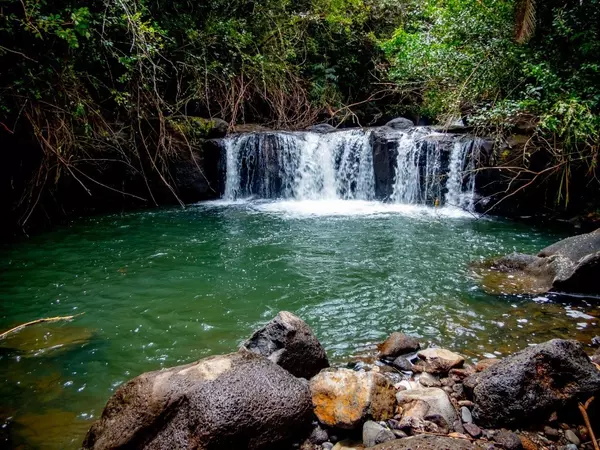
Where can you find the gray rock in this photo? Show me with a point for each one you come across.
(327, 446)
(290, 343)
(472, 429)
(551, 433)
(465, 414)
(439, 360)
(322, 128)
(398, 344)
(508, 440)
(572, 437)
(400, 123)
(373, 434)
(428, 380)
(239, 400)
(529, 385)
(402, 364)
(318, 436)
(575, 247)
(568, 447)
(436, 399)
(427, 442)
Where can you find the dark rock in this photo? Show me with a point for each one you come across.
(485, 363)
(318, 435)
(441, 423)
(427, 442)
(551, 433)
(289, 342)
(527, 386)
(241, 400)
(196, 174)
(400, 123)
(458, 426)
(373, 434)
(574, 248)
(583, 278)
(508, 440)
(398, 344)
(572, 437)
(402, 364)
(322, 128)
(472, 429)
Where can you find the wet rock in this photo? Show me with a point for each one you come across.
(398, 344)
(572, 437)
(374, 434)
(472, 429)
(238, 400)
(465, 415)
(527, 386)
(439, 360)
(322, 128)
(485, 363)
(344, 398)
(400, 123)
(436, 399)
(402, 364)
(508, 440)
(290, 343)
(427, 442)
(570, 266)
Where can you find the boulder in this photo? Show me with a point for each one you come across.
(529, 385)
(428, 442)
(241, 400)
(322, 128)
(568, 266)
(374, 433)
(398, 344)
(439, 360)
(344, 398)
(290, 343)
(435, 398)
(400, 123)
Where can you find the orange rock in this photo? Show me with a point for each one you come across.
(528, 444)
(344, 398)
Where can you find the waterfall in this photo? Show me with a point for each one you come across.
(426, 167)
(302, 166)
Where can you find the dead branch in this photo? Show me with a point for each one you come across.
(38, 321)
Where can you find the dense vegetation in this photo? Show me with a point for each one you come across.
(96, 96)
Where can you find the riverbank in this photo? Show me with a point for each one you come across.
(405, 397)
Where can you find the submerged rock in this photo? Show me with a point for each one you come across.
(344, 398)
(322, 128)
(398, 344)
(528, 386)
(569, 266)
(290, 343)
(241, 400)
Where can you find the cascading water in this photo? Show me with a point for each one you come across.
(429, 168)
(302, 166)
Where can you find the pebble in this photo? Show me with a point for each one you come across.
(472, 429)
(508, 439)
(568, 447)
(572, 437)
(467, 403)
(465, 414)
(458, 426)
(327, 445)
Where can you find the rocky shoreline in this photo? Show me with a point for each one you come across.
(279, 391)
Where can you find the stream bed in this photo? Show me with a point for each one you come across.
(168, 287)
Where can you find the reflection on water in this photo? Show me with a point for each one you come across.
(165, 288)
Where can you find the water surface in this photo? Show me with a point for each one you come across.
(168, 287)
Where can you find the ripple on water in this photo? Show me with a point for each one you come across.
(168, 287)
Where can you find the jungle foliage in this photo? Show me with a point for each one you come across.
(97, 87)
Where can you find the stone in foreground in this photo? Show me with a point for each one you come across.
(398, 344)
(528, 386)
(439, 360)
(428, 442)
(241, 400)
(373, 434)
(290, 343)
(435, 398)
(344, 398)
